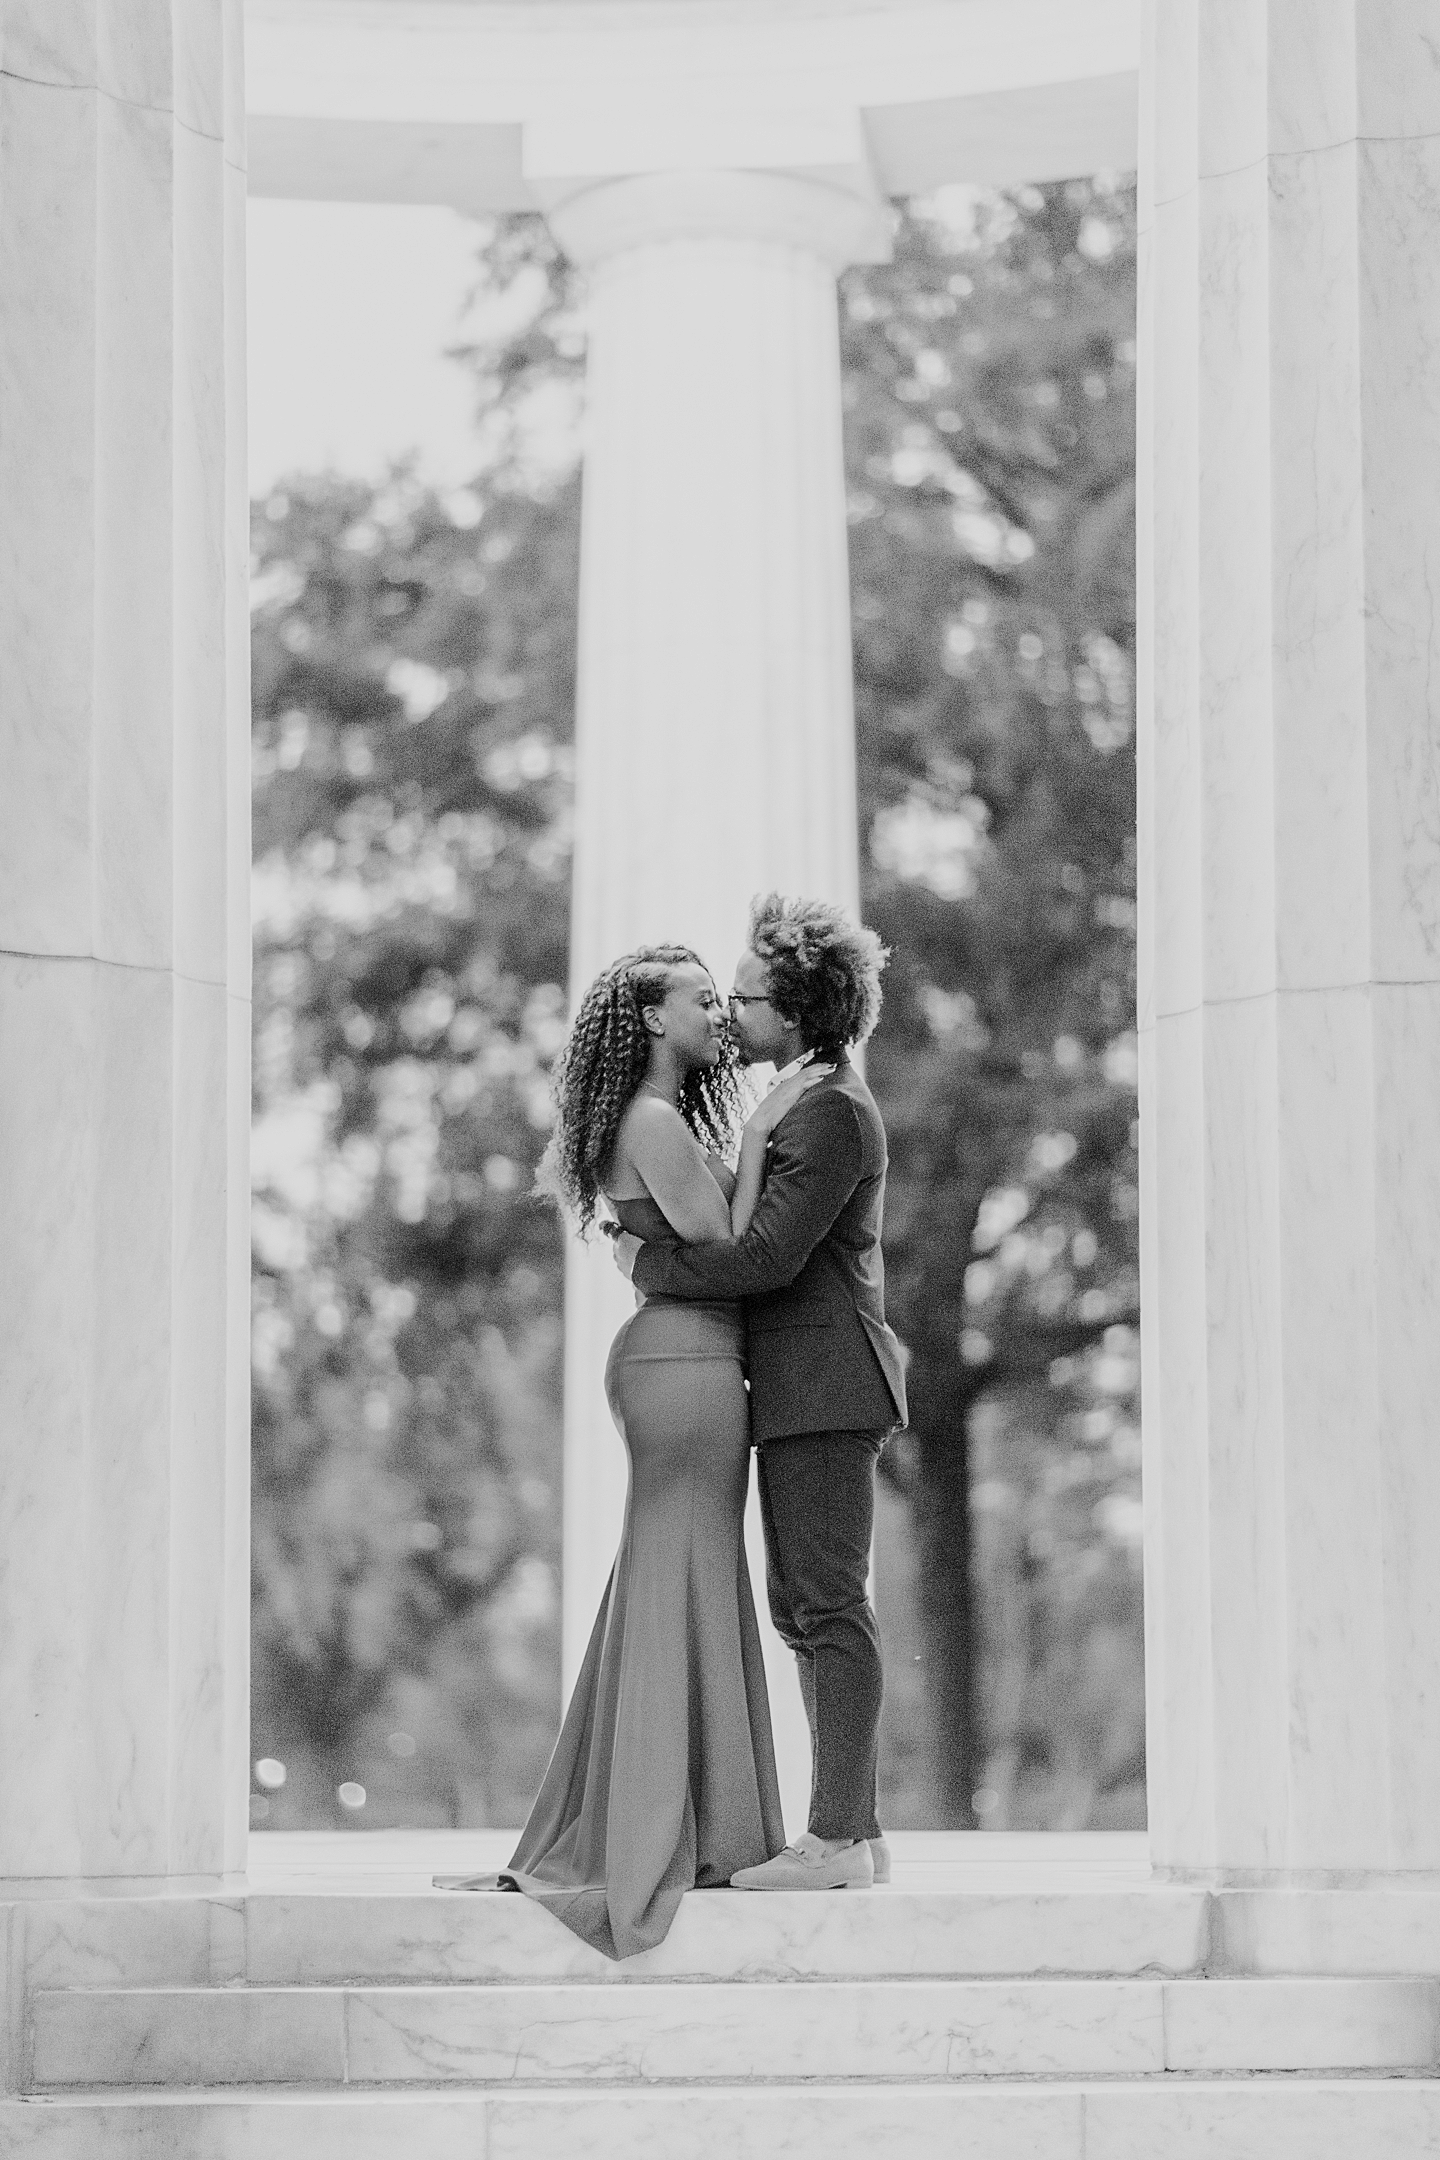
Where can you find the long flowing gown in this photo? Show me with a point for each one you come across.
(663, 1777)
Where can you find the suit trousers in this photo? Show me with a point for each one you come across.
(817, 1504)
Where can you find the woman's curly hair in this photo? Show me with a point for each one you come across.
(824, 970)
(601, 1067)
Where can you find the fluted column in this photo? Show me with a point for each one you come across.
(124, 941)
(1290, 984)
(716, 752)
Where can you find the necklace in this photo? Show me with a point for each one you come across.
(661, 1093)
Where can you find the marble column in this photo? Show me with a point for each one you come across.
(716, 743)
(1290, 976)
(124, 944)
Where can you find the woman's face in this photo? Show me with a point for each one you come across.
(692, 1016)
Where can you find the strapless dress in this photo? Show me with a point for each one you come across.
(663, 1778)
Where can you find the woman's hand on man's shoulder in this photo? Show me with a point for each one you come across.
(781, 1100)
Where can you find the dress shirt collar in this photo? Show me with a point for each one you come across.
(806, 1057)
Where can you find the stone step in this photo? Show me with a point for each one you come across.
(959, 1930)
(726, 1935)
(1257, 2118)
(304, 1938)
(339, 1908)
(301, 1938)
(872, 2030)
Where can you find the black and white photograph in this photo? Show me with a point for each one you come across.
(719, 1079)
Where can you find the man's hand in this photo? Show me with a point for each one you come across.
(625, 1248)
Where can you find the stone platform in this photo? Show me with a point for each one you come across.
(1021, 1998)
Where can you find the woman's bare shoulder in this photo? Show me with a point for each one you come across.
(650, 1121)
(647, 1109)
(650, 1126)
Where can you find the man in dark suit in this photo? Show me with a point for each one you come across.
(827, 1381)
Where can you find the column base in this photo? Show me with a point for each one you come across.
(1005, 1993)
(1243, 2119)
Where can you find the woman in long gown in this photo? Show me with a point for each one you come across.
(663, 1778)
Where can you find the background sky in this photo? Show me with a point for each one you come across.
(352, 306)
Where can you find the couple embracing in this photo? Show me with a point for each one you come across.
(663, 1779)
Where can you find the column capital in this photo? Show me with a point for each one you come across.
(609, 218)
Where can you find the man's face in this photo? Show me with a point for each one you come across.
(760, 1032)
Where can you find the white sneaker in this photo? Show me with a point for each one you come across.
(880, 1855)
(806, 1865)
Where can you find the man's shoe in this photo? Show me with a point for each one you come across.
(806, 1865)
(880, 1855)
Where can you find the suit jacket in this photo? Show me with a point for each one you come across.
(809, 1269)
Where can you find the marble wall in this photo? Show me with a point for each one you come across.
(124, 938)
(1290, 968)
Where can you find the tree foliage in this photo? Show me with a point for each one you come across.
(414, 665)
(990, 415)
(413, 697)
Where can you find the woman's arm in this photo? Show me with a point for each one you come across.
(664, 1153)
(720, 1170)
(661, 1149)
(755, 1140)
(818, 1159)
(749, 1178)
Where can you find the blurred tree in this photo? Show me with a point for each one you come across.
(413, 695)
(1055, 1488)
(990, 437)
(413, 691)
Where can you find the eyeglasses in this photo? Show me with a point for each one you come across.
(737, 997)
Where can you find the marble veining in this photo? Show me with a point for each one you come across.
(886, 2124)
(168, 61)
(1291, 857)
(297, 1940)
(1312, 2119)
(1398, 305)
(558, 2033)
(122, 862)
(544, 2033)
(200, 2036)
(1298, 2120)
(150, 1995)
(1302, 2024)
(1398, 65)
